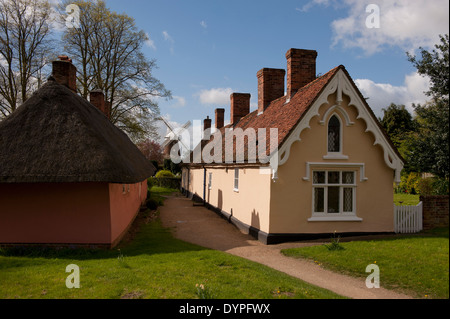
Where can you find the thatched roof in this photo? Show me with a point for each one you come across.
(57, 136)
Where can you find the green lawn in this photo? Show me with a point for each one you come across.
(419, 264)
(406, 199)
(153, 265)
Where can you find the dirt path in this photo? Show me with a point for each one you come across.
(198, 225)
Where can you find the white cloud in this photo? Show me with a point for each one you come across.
(179, 101)
(167, 36)
(215, 96)
(381, 95)
(149, 42)
(203, 24)
(169, 39)
(309, 5)
(403, 23)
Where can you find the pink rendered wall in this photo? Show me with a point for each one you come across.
(60, 213)
(125, 202)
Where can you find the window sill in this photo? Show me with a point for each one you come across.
(235, 190)
(335, 156)
(335, 219)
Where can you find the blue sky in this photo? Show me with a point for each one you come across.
(206, 49)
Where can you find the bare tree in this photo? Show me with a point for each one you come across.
(107, 49)
(24, 49)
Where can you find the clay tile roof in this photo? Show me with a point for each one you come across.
(57, 136)
(279, 114)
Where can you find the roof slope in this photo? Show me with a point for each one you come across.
(279, 114)
(283, 115)
(57, 136)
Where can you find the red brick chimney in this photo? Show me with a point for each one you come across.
(97, 98)
(207, 128)
(270, 86)
(65, 73)
(301, 69)
(220, 115)
(108, 109)
(240, 106)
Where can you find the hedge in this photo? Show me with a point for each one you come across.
(167, 182)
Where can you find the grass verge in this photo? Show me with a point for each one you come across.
(406, 199)
(418, 264)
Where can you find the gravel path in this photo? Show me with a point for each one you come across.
(198, 225)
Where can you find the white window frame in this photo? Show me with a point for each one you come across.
(236, 180)
(341, 215)
(339, 154)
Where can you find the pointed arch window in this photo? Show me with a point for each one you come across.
(334, 135)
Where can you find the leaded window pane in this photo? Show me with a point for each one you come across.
(319, 196)
(319, 178)
(333, 200)
(348, 178)
(334, 131)
(333, 177)
(348, 199)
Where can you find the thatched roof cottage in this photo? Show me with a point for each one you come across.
(67, 174)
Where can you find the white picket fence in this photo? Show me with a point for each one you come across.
(408, 219)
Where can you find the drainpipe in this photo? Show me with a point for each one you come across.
(204, 185)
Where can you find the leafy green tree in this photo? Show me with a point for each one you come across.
(429, 150)
(434, 65)
(399, 124)
(397, 121)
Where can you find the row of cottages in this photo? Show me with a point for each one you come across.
(68, 176)
(334, 165)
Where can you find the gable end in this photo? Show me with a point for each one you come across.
(341, 84)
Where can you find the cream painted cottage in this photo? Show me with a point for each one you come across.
(334, 165)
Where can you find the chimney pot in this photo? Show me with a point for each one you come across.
(65, 73)
(240, 106)
(270, 86)
(64, 58)
(220, 115)
(301, 69)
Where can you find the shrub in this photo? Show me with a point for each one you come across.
(167, 182)
(440, 186)
(150, 183)
(164, 173)
(151, 204)
(412, 182)
(425, 186)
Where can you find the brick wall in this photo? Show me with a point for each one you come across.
(435, 211)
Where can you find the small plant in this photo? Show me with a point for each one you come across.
(121, 260)
(203, 292)
(334, 245)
